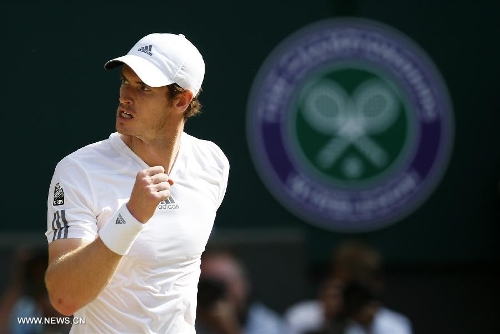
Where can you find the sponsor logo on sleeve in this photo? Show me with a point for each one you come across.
(58, 195)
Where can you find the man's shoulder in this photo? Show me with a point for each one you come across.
(89, 147)
(201, 143)
(89, 154)
(205, 150)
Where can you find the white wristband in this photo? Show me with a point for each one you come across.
(120, 232)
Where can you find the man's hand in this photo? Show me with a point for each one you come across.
(151, 187)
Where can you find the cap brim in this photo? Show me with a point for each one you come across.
(144, 69)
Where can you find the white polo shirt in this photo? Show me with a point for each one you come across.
(154, 288)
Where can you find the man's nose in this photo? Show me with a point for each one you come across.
(125, 96)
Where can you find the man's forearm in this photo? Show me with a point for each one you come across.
(77, 277)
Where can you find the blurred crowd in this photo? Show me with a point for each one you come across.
(350, 298)
(25, 295)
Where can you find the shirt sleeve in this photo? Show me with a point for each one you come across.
(224, 179)
(215, 161)
(70, 207)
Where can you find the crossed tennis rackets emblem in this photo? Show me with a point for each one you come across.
(350, 120)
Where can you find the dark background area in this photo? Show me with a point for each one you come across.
(441, 260)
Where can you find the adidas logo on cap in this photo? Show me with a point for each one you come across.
(146, 49)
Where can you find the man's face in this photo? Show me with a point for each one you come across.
(144, 111)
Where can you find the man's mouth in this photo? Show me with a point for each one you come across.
(125, 114)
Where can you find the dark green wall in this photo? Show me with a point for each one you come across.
(55, 97)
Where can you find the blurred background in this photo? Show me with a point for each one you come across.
(441, 261)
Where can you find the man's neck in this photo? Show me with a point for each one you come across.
(160, 151)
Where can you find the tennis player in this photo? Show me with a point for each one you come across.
(129, 216)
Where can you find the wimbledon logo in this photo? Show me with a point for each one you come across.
(349, 125)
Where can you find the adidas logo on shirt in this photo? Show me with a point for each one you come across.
(146, 49)
(168, 204)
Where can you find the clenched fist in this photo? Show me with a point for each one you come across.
(151, 187)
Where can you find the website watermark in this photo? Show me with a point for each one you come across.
(50, 321)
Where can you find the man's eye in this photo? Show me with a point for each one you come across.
(124, 82)
(144, 87)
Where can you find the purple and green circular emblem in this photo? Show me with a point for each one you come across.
(349, 125)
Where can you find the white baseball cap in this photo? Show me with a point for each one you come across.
(161, 59)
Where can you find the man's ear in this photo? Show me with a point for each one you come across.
(184, 99)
